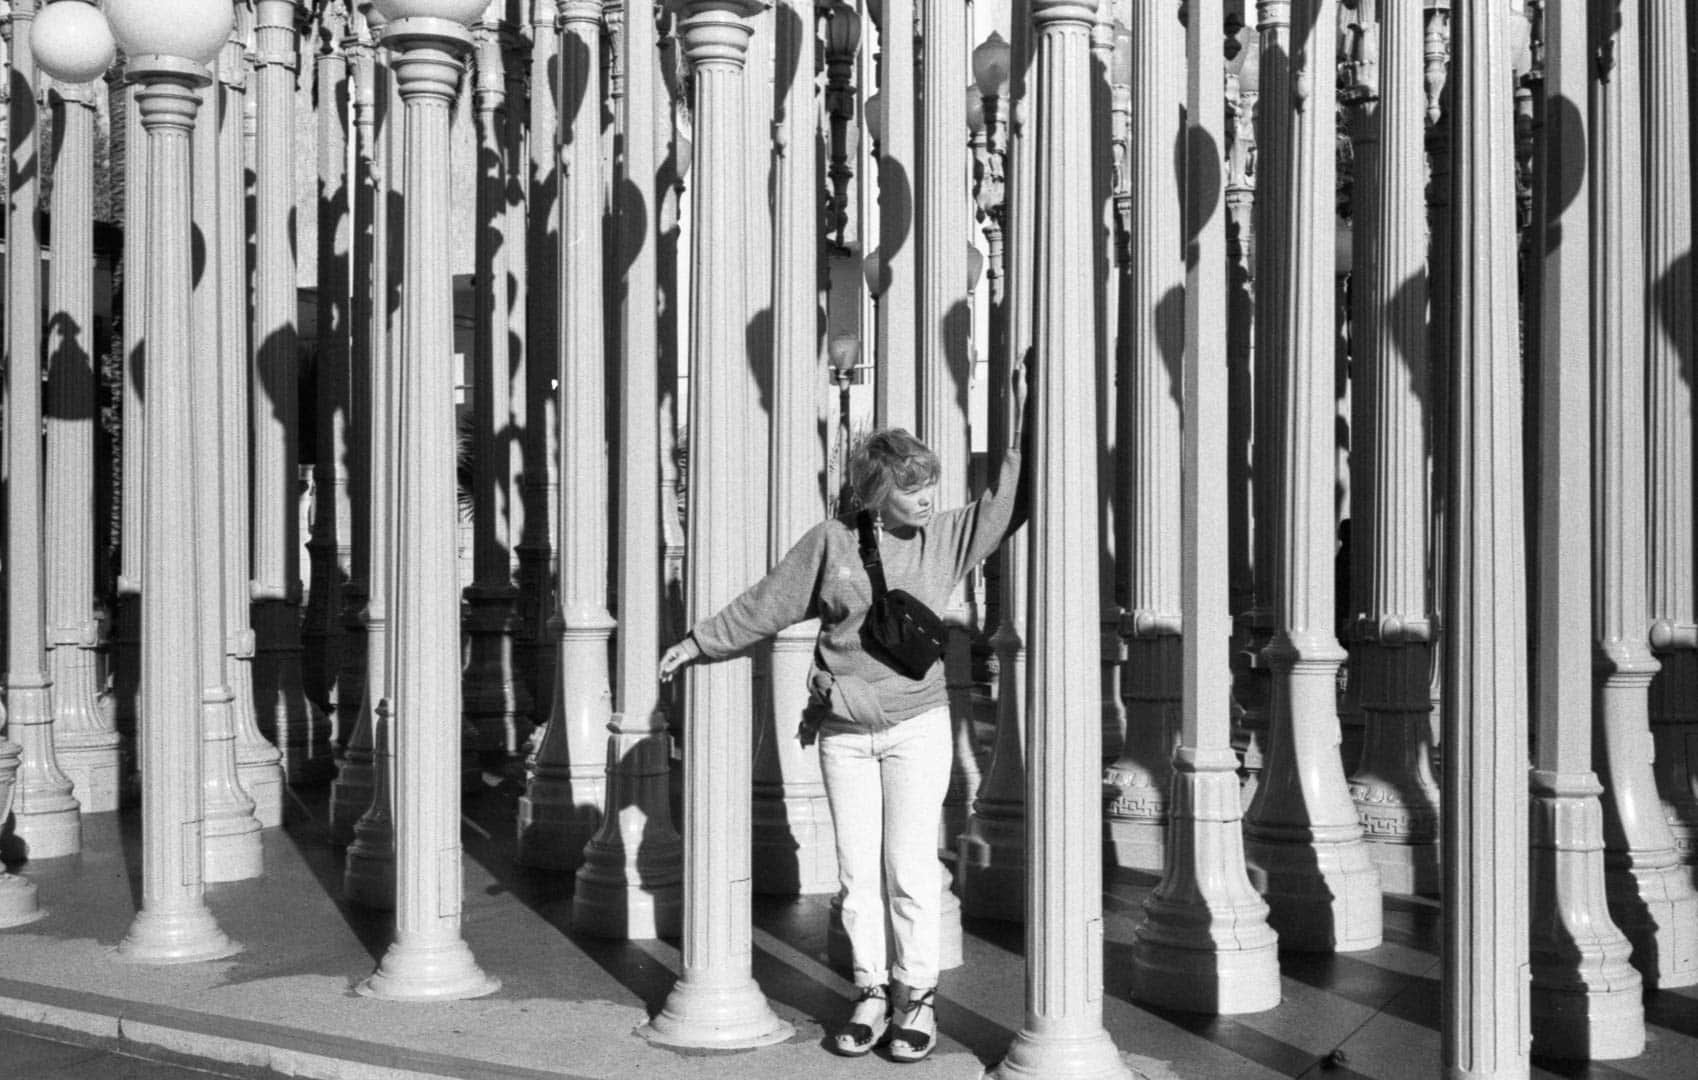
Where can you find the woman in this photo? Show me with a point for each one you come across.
(885, 741)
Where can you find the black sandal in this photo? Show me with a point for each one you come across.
(853, 1039)
(908, 1045)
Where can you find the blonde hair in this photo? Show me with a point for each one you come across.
(886, 459)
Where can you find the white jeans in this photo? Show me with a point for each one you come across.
(886, 791)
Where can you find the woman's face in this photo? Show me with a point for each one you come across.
(909, 508)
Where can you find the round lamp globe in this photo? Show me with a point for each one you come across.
(189, 29)
(71, 41)
(464, 12)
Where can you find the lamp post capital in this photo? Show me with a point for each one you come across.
(718, 31)
(1047, 13)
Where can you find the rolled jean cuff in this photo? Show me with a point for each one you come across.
(914, 978)
(864, 979)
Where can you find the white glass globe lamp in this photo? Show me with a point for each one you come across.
(71, 41)
(990, 66)
(975, 111)
(464, 12)
(189, 29)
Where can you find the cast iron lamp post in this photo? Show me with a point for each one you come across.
(73, 45)
(842, 39)
(71, 56)
(169, 45)
(45, 816)
(428, 959)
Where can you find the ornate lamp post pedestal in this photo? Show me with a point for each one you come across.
(18, 903)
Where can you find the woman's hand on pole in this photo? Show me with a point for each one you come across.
(1020, 386)
(677, 656)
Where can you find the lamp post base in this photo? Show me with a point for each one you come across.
(428, 971)
(1086, 1056)
(716, 1016)
(18, 904)
(185, 936)
(1205, 944)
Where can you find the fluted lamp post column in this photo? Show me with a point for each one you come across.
(1651, 894)
(1302, 836)
(353, 774)
(1136, 784)
(1205, 944)
(1393, 787)
(1063, 1034)
(541, 480)
(562, 809)
(895, 389)
(168, 46)
(941, 332)
(992, 848)
(46, 820)
(1671, 336)
(1483, 1024)
(301, 733)
(328, 544)
(793, 847)
(496, 701)
(259, 764)
(428, 959)
(631, 882)
(991, 851)
(229, 828)
(350, 792)
(84, 739)
(368, 876)
(1586, 996)
(716, 1002)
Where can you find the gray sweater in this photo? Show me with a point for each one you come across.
(822, 577)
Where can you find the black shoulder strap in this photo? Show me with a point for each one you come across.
(869, 552)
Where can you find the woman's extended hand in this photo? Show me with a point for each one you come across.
(677, 656)
(1020, 386)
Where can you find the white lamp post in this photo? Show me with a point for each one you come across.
(45, 815)
(169, 44)
(428, 960)
(72, 44)
(716, 1001)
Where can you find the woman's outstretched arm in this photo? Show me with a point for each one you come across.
(1003, 506)
(784, 596)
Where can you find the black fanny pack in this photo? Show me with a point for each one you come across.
(899, 629)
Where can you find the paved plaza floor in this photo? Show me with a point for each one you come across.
(569, 1007)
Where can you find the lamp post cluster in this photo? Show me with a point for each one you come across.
(1149, 344)
(199, 820)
